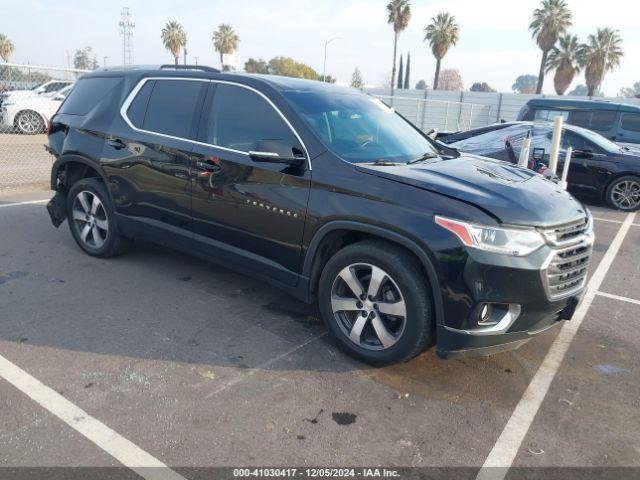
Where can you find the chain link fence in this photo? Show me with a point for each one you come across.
(29, 96)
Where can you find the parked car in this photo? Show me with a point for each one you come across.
(29, 115)
(329, 194)
(47, 88)
(619, 122)
(599, 167)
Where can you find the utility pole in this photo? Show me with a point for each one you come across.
(104, 61)
(324, 64)
(126, 25)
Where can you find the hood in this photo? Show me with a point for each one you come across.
(20, 94)
(511, 194)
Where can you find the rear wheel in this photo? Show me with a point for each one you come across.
(375, 301)
(624, 193)
(92, 220)
(29, 122)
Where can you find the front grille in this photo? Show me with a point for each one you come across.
(567, 269)
(566, 234)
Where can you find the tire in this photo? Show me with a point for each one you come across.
(92, 219)
(395, 333)
(624, 193)
(28, 122)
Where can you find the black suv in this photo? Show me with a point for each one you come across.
(329, 194)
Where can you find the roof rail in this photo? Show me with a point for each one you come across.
(204, 68)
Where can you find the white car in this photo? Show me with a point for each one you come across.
(49, 88)
(29, 115)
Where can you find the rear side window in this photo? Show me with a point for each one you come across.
(138, 107)
(87, 93)
(242, 118)
(603, 120)
(550, 115)
(54, 87)
(174, 107)
(631, 122)
(580, 118)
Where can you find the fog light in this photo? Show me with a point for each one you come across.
(486, 315)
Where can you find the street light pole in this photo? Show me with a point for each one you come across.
(324, 64)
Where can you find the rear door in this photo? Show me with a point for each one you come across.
(148, 164)
(250, 213)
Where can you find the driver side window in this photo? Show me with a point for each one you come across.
(242, 119)
(576, 142)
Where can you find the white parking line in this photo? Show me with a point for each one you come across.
(247, 373)
(506, 448)
(618, 297)
(127, 453)
(32, 202)
(611, 220)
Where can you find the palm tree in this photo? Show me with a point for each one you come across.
(442, 33)
(549, 22)
(174, 38)
(566, 60)
(399, 15)
(602, 53)
(6, 48)
(225, 40)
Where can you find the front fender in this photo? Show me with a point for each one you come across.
(392, 236)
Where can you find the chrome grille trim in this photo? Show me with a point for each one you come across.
(565, 271)
(566, 234)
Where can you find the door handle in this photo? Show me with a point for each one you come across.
(116, 143)
(209, 167)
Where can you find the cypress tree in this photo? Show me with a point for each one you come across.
(400, 74)
(407, 72)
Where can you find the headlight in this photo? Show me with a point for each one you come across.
(507, 241)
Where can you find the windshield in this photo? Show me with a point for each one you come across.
(599, 140)
(360, 128)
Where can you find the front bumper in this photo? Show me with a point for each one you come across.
(525, 293)
(459, 343)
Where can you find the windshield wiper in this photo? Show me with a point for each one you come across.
(423, 157)
(381, 162)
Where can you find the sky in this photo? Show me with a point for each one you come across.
(495, 45)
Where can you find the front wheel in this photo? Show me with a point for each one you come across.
(376, 302)
(624, 193)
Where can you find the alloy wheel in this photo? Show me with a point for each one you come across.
(368, 306)
(90, 219)
(626, 194)
(29, 122)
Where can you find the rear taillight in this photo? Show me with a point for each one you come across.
(49, 124)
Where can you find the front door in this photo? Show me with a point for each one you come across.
(252, 212)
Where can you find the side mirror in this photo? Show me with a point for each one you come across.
(276, 151)
(433, 133)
